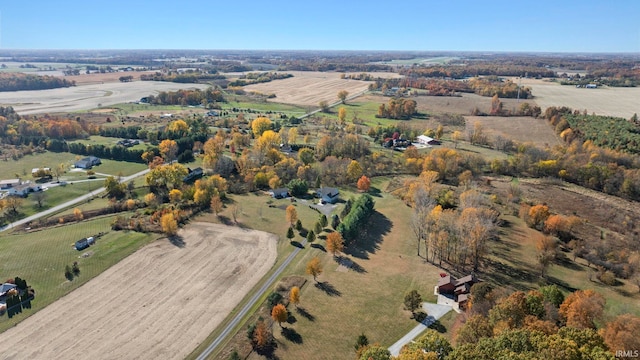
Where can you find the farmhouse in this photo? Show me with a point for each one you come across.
(24, 189)
(280, 193)
(87, 163)
(9, 183)
(328, 194)
(459, 289)
(426, 140)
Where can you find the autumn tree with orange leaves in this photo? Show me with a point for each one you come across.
(364, 183)
(581, 308)
(279, 314)
(622, 333)
(335, 243)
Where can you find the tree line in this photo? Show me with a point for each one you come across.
(20, 81)
(357, 218)
(477, 69)
(256, 78)
(187, 97)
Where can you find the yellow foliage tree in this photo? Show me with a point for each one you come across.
(169, 224)
(291, 214)
(131, 204)
(314, 268)
(178, 125)
(175, 195)
(294, 295)
(342, 115)
(260, 125)
(268, 140)
(293, 135)
(150, 199)
(168, 149)
(538, 214)
(354, 170)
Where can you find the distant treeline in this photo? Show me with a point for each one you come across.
(188, 77)
(187, 97)
(256, 78)
(20, 81)
(486, 86)
(332, 66)
(471, 70)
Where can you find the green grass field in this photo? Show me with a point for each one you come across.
(107, 141)
(515, 250)
(40, 258)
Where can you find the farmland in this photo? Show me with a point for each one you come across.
(85, 97)
(41, 257)
(610, 101)
(517, 128)
(309, 88)
(198, 280)
(191, 285)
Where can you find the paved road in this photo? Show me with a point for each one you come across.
(245, 309)
(68, 203)
(434, 311)
(227, 330)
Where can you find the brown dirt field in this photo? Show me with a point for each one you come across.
(159, 303)
(517, 128)
(310, 87)
(463, 104)
(97, 78)
(612, 101)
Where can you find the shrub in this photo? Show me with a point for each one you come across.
(274, 298)
(68, 273)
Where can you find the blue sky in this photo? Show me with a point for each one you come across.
(421, 25)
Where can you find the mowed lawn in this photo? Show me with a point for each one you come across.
(369, 300)
(23, 166)
(40, 258)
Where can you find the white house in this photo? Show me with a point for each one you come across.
(24, 189)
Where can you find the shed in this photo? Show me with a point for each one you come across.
(426, 140)
(193, 175)
(9, 183)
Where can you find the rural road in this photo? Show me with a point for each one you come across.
(245, 309)
(68, 203)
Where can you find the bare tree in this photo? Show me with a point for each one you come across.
(38, 198)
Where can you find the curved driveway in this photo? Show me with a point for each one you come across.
(68, 203)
